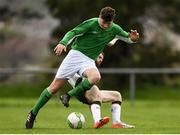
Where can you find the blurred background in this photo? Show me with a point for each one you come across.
(146, 73)
(29, 31)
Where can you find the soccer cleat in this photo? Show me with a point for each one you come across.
(30, 120)
(122, 125)
(101, 122)
(65, 99)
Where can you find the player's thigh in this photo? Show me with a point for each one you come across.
(110, 96)
(69, 66)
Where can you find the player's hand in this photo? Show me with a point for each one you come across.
(59, 49)
(134, 35)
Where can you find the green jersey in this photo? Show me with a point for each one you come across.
(91, 39)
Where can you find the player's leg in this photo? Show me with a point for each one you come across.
(94, 99)
(93, 76)
(116, 99)
(95, 108)
(66, 69)
(110, 96)
(89, 70)
(43, 99)
(47, 94)
(80, 88)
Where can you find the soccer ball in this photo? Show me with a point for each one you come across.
(75, 120)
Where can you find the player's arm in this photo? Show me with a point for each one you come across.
(77, 31)
(111, 43)
(127, 40)
(69, 36)
(129, 37)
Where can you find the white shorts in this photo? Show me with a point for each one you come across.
(72, 81)
(74, 62)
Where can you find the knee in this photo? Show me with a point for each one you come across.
(53, 89)
(95, 79)
(96, 98)
(93, 94)
(55, 85)
(118, 96)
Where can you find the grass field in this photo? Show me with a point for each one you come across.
(158, 116)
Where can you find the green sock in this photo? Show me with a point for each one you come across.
(84, 85)
(43, 99)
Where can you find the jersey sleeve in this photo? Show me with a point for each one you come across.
(77, 31)
(121, 32)
(122, 35)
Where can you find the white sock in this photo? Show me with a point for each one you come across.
(96, 112)
(116, 113)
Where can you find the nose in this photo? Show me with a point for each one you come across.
(105, 25)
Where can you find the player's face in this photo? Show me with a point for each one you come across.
(105, 25)
(99, 59)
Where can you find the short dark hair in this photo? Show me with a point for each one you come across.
(107, 14)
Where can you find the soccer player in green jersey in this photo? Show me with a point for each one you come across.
(90, 38)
